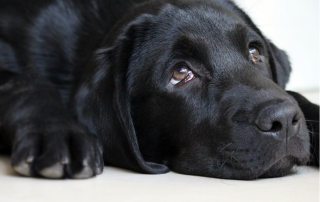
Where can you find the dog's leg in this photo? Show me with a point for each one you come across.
(43, 137)
(311, 113)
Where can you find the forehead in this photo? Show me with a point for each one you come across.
(212, 36)
(213, 30)
(213, 26)
(205, 19)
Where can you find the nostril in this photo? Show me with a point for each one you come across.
(296, 119)
(280, 121)
(276, 127)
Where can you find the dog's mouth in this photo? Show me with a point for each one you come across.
(283, 167)
(242, 165)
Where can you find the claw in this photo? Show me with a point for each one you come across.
(85, 163)
(98, 171)
(85, 173)
(65, 161)
(54, 172)
(23, 169)
(29, 159)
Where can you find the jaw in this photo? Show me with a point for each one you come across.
(226, 170)
(242, 164)
(283, 167)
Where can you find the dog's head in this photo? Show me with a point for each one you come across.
(196, 87)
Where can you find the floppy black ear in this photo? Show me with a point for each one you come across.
(311, 114)
(103, 102)
(280, 65)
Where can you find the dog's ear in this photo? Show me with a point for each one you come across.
(280, 65)
(124, 49)
(105, 107)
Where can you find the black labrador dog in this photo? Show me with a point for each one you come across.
(187, 85)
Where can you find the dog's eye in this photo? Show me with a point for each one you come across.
(254, 54)
(181, 75)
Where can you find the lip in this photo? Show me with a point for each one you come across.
(279, 168)
(283, 166)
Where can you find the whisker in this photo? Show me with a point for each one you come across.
(223, 165)
(313, 155)
(312, 121)
(299, 144)
(225, 147)
(313, 133)
(255, 4)
(232, 162)
(232, 157)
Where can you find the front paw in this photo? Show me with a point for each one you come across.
(61, 151)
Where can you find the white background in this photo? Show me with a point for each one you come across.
(293, 25)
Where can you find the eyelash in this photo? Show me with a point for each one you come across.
(257, 45)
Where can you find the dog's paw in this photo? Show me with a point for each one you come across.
(66, 152)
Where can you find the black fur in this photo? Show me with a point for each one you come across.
(87, 83)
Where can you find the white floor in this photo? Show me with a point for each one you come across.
(122, 185)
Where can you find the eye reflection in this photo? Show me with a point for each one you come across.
(254, 54)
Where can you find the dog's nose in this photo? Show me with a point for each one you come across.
(280, 121)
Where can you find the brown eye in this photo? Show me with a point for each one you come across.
(181, 75)
(254, 54)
